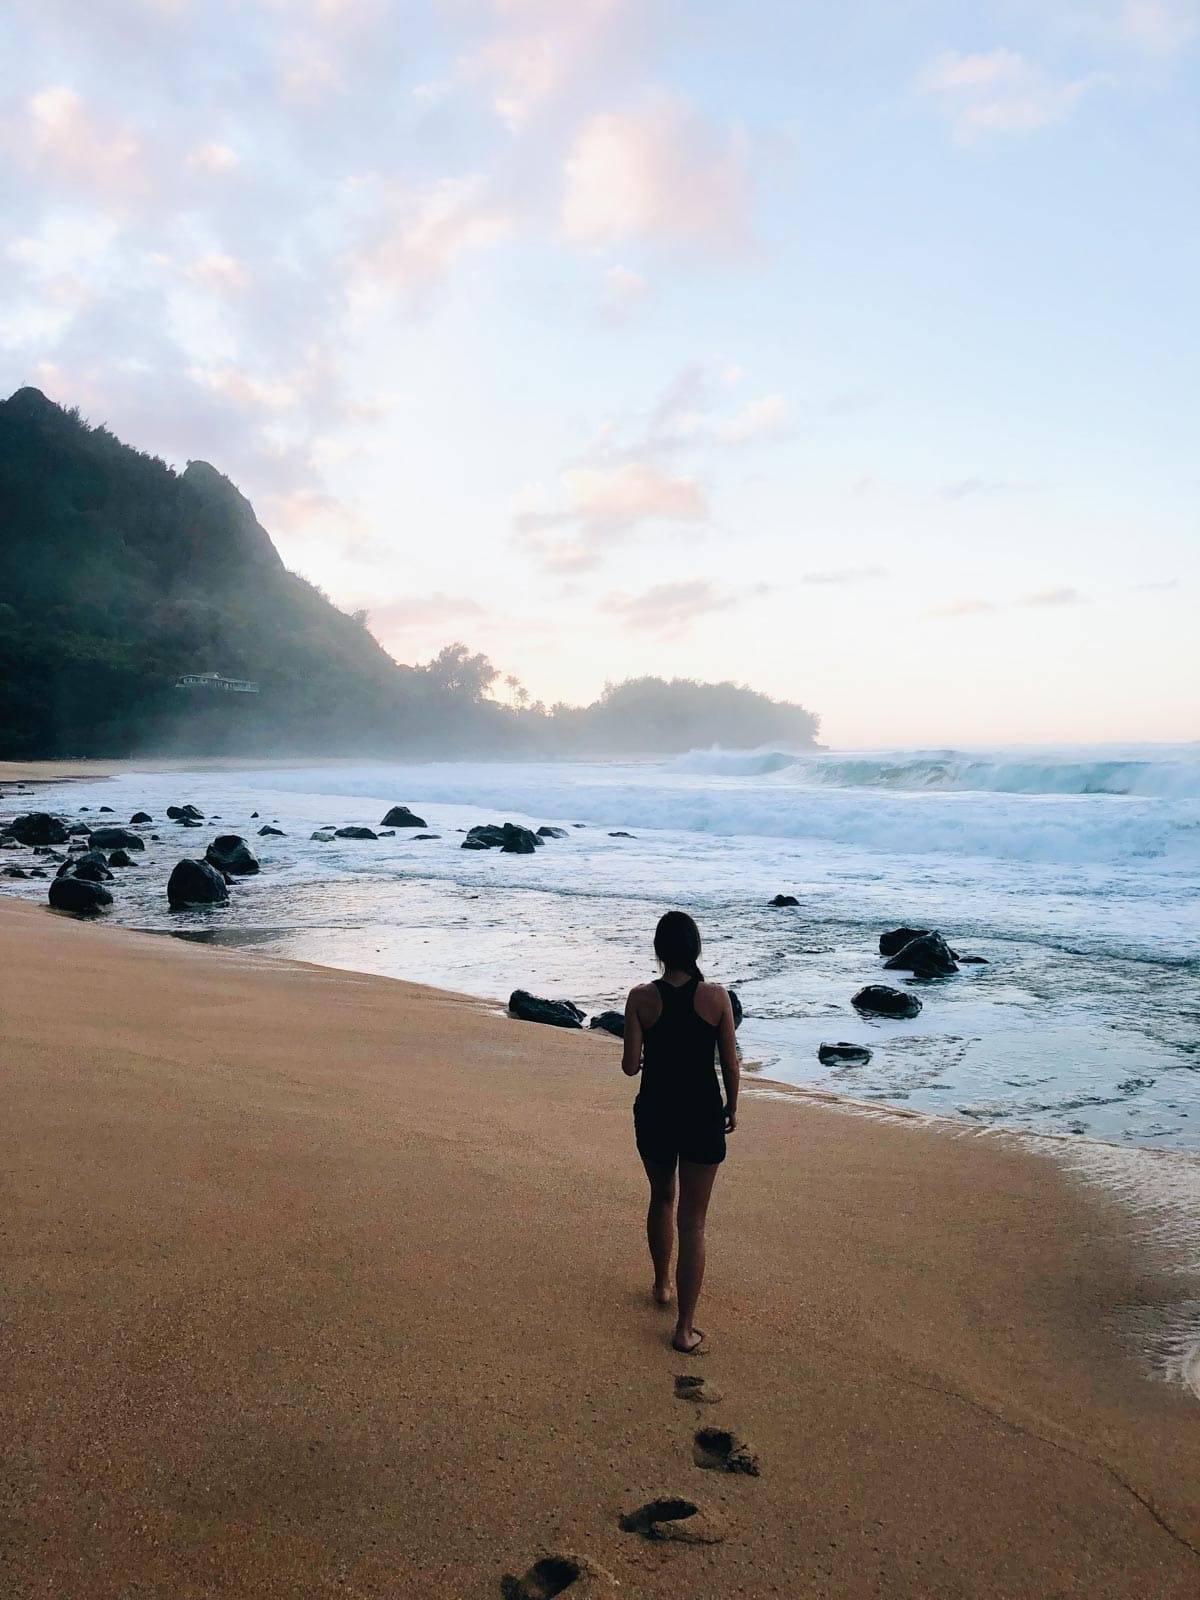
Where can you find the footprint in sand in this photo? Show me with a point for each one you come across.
(699, 1390)
(680, 1520)
(722, 1451)
(575, 1576)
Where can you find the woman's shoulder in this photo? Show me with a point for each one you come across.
(711, 1002)
(641, 991)
(713, 991)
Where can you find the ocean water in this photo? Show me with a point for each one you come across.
(1074, 872)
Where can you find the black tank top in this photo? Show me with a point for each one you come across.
(679, 1054)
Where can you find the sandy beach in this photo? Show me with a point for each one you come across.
(318, 1284)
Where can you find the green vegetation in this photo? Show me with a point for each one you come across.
(118, 575)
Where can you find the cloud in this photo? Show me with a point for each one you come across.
(539, 52)
(670, 608)
(1158, 583)
(69, 142)
(837, 575)
(983, 488)
(623, 289)
(429, 231)
(212, 157)
(603, 504)
(1159, 27)
(218, 270)
(972, 605)
(760, 419)
(1054, 597)
(999, 92)
(968, 606)
(660, 172)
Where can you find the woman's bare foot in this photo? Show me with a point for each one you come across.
(663, 1295)
(687, 1341)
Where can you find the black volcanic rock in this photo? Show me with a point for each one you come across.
(926, 956)
(546, 832)
(230, 853)
(92, 866)
(39, 827)
(267, 829)
(611, 1022)
(115, 839)
(195, 883)
(185, 813)
(355, 833)
(785, 900)
(508, 836)
(78, 895)
(120, 858)
(402, 817)
(897, 938)
(878, 1000)
(553, 1013)
(843, 1054)
(141, 816)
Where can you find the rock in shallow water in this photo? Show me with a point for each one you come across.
(267, 829)
(185, 813)
(894, 941)
(926, 956)
(115, 839)
(229, 852)
(39, 827)
(141, 816)
(195, 883)
(877, 999)
(78, 895)
(554, 1013)
(507, 836)
(611, 1022)
(355, 833)
(323, 836)
(843, 1054)
(402, 817)
(785, 900)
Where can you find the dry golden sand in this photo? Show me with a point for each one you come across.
(324, 1285)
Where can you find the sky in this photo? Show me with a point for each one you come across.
(848, 350)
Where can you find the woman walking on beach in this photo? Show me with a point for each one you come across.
(674, 1028)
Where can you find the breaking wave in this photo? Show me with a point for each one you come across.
(1174, 775)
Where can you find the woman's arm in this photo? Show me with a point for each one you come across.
(631, 1058)
(731, 1071)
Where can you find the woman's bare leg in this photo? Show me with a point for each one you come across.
(695, 1187)
(660, 1226)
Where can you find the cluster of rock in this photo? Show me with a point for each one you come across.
(921, 951)
(79, 884)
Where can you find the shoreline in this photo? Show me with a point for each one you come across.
(325, 1280)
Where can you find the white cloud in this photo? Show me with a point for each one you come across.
(213, 157)
(1054, 597)
(760, 419)
(658, 172)
(999, 92)
(430, 231)
(623, 289)
(671, 608)
(220, 271)
(81, 149)
(539, 50)
(838, 575)
(1160, 27)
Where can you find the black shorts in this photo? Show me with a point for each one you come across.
(665, 1135)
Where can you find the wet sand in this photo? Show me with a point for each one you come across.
(319, 1284)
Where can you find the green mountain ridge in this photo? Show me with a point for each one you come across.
(119, 575)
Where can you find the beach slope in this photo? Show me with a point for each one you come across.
(317, 1284)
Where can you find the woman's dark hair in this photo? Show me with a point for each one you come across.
(677, 943)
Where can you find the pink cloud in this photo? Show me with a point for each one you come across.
(82, 150)
(661, 172)
(429, 232)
